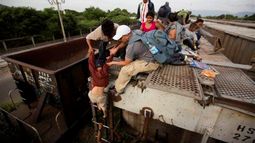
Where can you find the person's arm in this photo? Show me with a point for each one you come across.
(93, 36)
(113, 51)
(121, 45)
(120, 63)
(194, 36)
(172, 34)
(159, 25)
(89, 42)
(141, 27)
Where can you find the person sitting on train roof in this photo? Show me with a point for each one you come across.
(175, 30)
(199, 31)
(137, 59)
(190, 37)
(102, 34)
(150, 24)
(183, 16)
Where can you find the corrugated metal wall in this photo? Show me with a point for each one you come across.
(238, 49)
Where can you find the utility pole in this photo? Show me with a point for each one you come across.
(52, 2)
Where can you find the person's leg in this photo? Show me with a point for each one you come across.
(176, 59)
(102, 104)
(179, 47)
(91, 97)
(198, 33)
(130, 70)
(189, 43)
(197, 43)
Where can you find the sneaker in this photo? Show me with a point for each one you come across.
(114, 95)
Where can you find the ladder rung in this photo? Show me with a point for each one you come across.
(99, 123)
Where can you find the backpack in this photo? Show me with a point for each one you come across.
(161, 47)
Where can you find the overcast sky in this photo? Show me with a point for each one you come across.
(232, 6)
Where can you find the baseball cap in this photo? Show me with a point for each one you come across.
(121, 30)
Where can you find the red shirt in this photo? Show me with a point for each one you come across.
(99, 77)
(153, 27)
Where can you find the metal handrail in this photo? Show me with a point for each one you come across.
(26, 124)
(10, 95)
(56, 120)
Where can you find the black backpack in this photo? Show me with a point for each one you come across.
(162, 11)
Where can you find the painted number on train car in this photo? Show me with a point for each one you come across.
(244, 134)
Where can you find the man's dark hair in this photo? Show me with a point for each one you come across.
(172, 17)
(150, 13)
(108, 28)
(193, 26)
(199, 20)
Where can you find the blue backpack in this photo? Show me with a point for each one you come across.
(162, 48)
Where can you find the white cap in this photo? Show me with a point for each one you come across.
(121, 30)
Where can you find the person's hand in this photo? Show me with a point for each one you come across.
(158, 20)
(90, 50)
(109, 63)
(113, 51)
(198, 58)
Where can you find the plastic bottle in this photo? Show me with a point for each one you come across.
(153, 49)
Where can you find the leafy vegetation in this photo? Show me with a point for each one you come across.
(23, 21)
(252, 17)
(232, 17)
(9, 107)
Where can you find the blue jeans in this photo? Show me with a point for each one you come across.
(103, 53)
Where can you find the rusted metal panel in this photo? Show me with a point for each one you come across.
(249, 52)
(228, 44)
(240, 56)
(236, 23)
(53, 57)
(216, 33)
(237, 47)
(238, 50)
(57, 69)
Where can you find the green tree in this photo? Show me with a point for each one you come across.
(18, 22)
(252, 17)
(52, 23)
(70, 23)
(120, 16)
(23, 21)
(93, 13)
